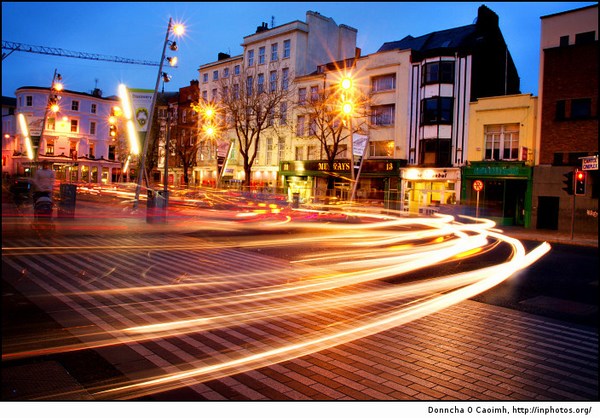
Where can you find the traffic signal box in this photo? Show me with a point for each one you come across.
(580, 177)
(568, 182)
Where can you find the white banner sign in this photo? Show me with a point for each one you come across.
(360, 143)
(141, 100)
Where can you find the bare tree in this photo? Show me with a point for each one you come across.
(253, 103)
(329, 125)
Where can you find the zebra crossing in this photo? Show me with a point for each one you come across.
(98, 288)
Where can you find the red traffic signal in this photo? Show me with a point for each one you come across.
(580, 177)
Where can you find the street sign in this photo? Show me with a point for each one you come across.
(589, 163)
(478, 185)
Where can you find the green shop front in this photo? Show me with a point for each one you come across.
(377, 181)
(504, 189)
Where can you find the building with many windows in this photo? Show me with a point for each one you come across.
(273, 58)
(75, 139)
(567, 121)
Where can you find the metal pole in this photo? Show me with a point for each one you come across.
(167, 139)
(573, 214)
(477, 206)
(150, 118)
(362, 160)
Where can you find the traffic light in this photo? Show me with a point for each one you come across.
(580, 176)
(568, 182)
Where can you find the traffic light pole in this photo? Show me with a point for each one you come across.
(572, 216)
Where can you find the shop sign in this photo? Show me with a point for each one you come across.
(589, 163)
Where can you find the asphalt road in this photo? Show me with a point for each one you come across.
(562, 285)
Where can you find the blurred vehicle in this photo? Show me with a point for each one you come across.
(21, 190)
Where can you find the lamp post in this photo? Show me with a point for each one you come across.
(51, 106)
(177, 30)
(347, 110)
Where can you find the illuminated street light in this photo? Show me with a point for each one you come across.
(347, 107)
(177, 30)
(172, 61)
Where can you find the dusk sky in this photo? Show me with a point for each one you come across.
(137, 31)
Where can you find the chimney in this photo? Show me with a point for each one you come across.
(262, 28)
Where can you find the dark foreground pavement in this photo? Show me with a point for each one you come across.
(470, 351)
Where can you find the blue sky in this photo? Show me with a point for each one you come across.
(137, 31)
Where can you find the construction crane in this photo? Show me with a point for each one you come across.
(15, 46)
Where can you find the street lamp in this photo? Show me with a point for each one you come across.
(210, 129)
(177, 30)
(347, 108)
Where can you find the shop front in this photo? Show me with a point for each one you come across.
(426, 191)
(504, 189)
(310, 178)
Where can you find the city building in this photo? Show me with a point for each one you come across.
(500, 157)
(567, 121)
(75, 138)
(9, 130)
(274, 57)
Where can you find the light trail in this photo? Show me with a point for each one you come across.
(359, 290)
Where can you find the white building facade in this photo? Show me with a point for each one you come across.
(76, 139)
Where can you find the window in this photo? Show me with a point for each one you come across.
(561, 110)
(287, 45)
(581, 108)
(205, 78)
(92, 128)
(251, 57)
(74, 125)
(260, 82)
(312, 152)
(236, 70)
(271, 117)
(435, 152)
(236, 91)
(273, 81)
(383, 115)
(381, 148)
(93, 108)
(312, 126)
(29, 101)
(249, 82)
(299, 154)
(269, 153)
(75, 105)
(51, 124)
(300, 125)
(274, 56)
(214, 95)
(225, 72)
(437, 110)
(502, 142)
(50, 147)
(285, 79)
(261, 55)
(314, 93)
(438, 72)
(215, 75)
(205, 95)
(283, 114)
(383, 83)
(184, 116)
(302, 95)
(92, 151)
